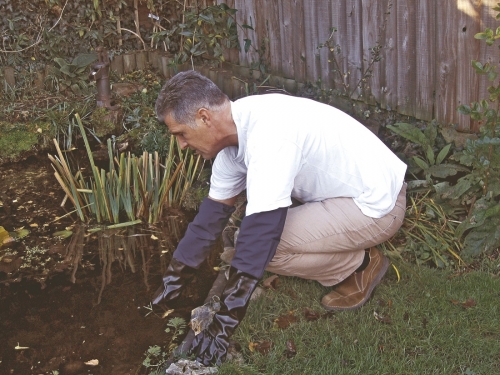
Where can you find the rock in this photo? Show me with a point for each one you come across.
(185, 367)
(459, 139)
(125, 89)
(228, 254)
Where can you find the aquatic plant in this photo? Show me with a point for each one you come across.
(138, 187)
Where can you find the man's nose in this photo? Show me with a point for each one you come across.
(182, 143)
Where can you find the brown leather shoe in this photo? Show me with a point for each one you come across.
(354, 291)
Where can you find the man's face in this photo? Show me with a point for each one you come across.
(200, 139)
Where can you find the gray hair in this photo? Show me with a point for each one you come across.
(184, 94)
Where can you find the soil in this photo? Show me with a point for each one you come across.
(53, 319)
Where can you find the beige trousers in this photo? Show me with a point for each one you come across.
(325, 241)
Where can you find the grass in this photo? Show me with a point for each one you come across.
(437, 323)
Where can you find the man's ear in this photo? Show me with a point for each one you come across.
(204, 115)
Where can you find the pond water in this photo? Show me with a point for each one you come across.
(61, 308)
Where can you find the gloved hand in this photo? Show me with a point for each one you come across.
(210, 346)
(173, 280)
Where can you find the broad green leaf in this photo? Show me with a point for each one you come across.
(61, 62)
(445, 170)
(442, 154)
(430, 133)
(429, 153)
(409, 132)
(481, 36)
(421, 163)
(481, 240)
(417, 184)
(456, 191)
(84, 59)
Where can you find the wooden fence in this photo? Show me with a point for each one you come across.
(426, 49)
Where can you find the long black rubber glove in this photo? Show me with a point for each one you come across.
(174, 279)
(202, 232)
(210, 346)
(194, 248)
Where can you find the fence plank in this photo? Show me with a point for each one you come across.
(469, 23)
(298, 41)
(339, 22)
(311, 42)
(425, 58)
(271, 11)
(355, 46)
(406, 57)
(246, 16)
(446, 57)
(373, 34)
(323, 25)
(389, 92)
(287, 43)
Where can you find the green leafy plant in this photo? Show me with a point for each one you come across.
(202, 31)
(71, 76)
(481, 187)
(465, 184)
(432, 163)
(155, 355)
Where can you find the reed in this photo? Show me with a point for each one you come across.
(135, 188)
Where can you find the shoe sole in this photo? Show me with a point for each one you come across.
(378, 278)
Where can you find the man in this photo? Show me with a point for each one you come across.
(278, 147)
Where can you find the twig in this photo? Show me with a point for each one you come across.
(130, 31)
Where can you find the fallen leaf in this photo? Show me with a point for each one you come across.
(466, 304)
(263, 347)
(167, 313)
(285, 321)
(311, 315)
(271, 282)
(381, 318)
(153, 237)
(252, 346)
(469, 303)
(92, 362)
(5, 237)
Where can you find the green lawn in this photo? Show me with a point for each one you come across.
(430, 322)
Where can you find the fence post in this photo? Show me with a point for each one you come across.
(140, 60)
(117, 64)
(128, 62)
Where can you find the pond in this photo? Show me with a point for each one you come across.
(65, 302)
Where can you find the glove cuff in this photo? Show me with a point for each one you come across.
(202, 232)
